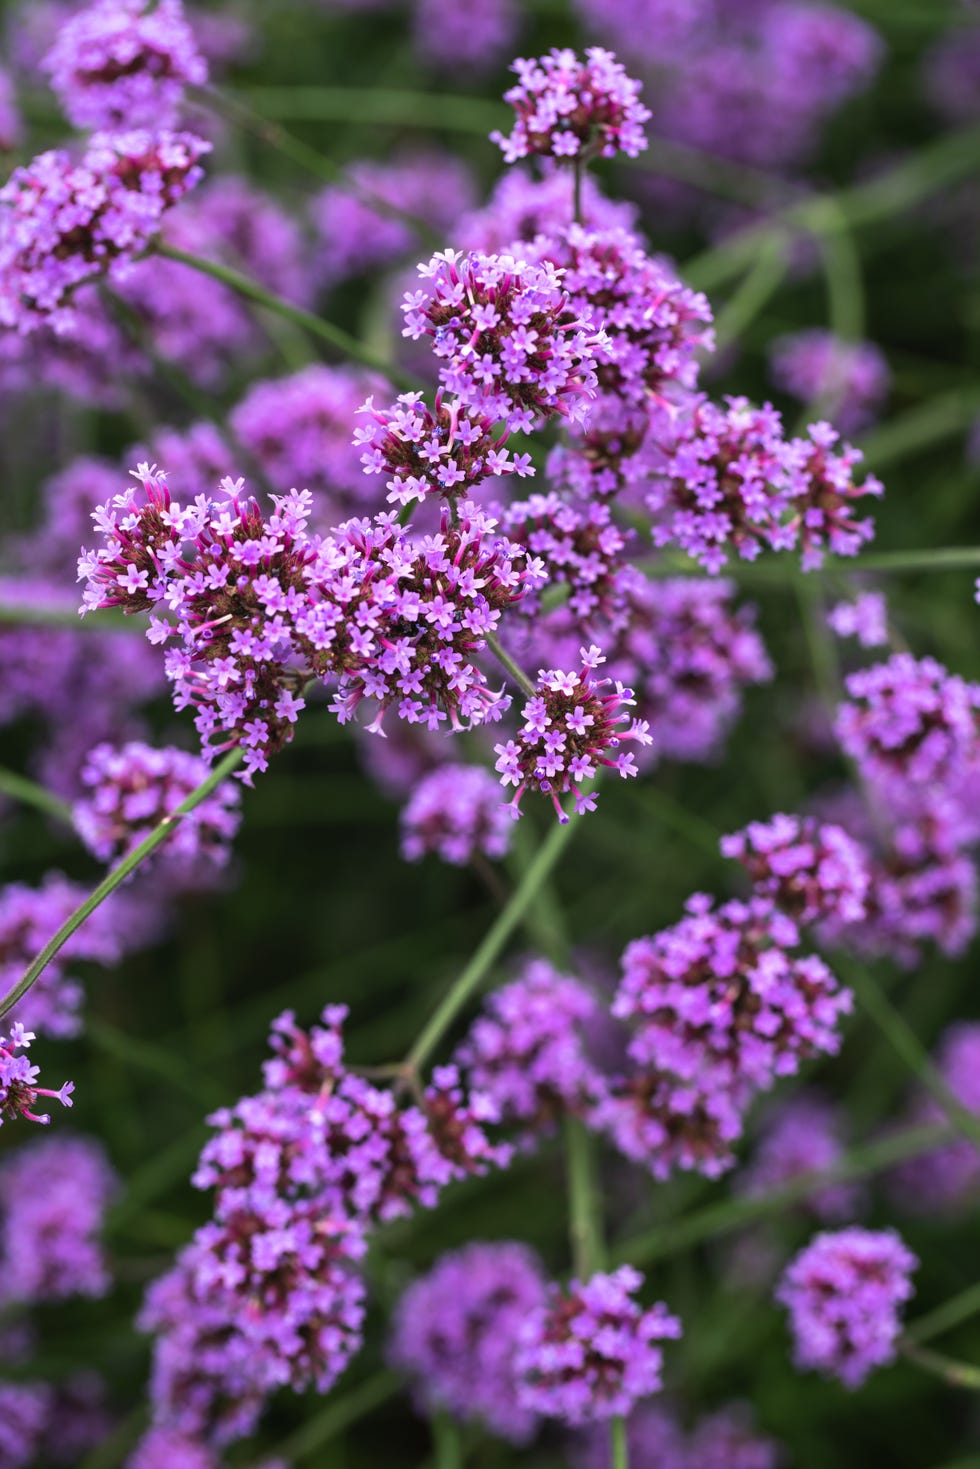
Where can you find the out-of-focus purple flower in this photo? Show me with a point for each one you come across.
(25, 1409)
(298, 430)
(725, 1439)
(947, 1178)
(804, 1136)
(474, 40)
(951, 74)
(443, 452)
(63, 223)
(80, 1418)
(866, 619)
(197, 458)
(53, 1197)
(592, 1351)
(507, 339)
(570, 108)
(224, 35)
(72, 359)
(455, 813)
(11, 127)
(844, 1293)
(523, 207)
(125, 63)
(850, 380)
(814, 871)
(529, 1051)
(574, 724)
(162, 1448)
(361, 225)
(454, 1333)
(131, 788)
(581, 546)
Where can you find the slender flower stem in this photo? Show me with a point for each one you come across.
(584, 1226)
(339, 1415)
(118, 874)
(493, 942)
(955, 1374)
(507, 662)
(24, 614)
(377, 105)
(32, 794)
(619, 1447)
(906, 1045)
(761, 282)
(943, 416)
(447, 1442)
(722, 1218)
(951, 1313)
(315, 325)
(942, 558)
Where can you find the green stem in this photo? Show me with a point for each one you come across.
(32, 794)
(618, 1444)
(506, 661)
(315, 325)
(761, 283)
(951, 1313)
(943, 558)
(584, 1226)
(17, 614)
(731, 1214)
(907, 1046)
(447, 1442)
(338, 1416)
(493, 942)
(377, 105)
(942, 417)
(955, 1374)
(118, 875)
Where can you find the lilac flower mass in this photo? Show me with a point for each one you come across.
(493, 789)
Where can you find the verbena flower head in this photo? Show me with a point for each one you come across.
(456, 813)
(948, 1178)
(581, 546)
(125, 63)
(844, 1293)
(592, 1351)
(474, 40)
(447, 451)
(507, 340)
(825, 491)
(523, 206)
(63, 223)
(568, 107)
(812, 870)
(803, 1136)
(866, 619)
(53, 1197)
(26, 1411)
(850, 380)
(574, 724)
(455, 1332)
(131, 788)
(528, 1052)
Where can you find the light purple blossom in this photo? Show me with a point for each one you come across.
(803, 1136)
(456, 813)
(849, 380)
(474, 40)
(814, 871)
(866, 619)
(570, 108)
(53, 1197)
(522, 207)
(947, 1178)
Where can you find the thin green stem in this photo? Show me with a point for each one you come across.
(761, 282)
(506, 661)
(337, 1416)
(492, 944)
(943, 558)
(22, 614)
(941, 417)
(951, 1313)
(584, 1225)
(906, 1045)
(447, 1442)
(618, 1444)
(731, 1214)
(31, 794)
(118, 875)
(377, 105)
(327, 331)
(952, 1372)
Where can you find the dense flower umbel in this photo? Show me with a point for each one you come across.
(592, 1352)
(572, 726)
(523, 206)
(866, 619)
(570, 108)
(53, 1196)
(812, 870)
(580, 545)
(19, 1088)
(456, 813)
(949, 1177)
(825, 493)
(849, 379)
(508, 342)
(843, 1294)
(445, 451)
(133, 787)
(528, 1051)
(454, 1333)
(475, 40)
(63, 223)
(125, 63)
(804, 1136)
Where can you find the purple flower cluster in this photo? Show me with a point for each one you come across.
(592, 1352)
(570, 108)
(866, 619)
(125, 63)
(63, 223)
(522, 207)
(812, 870)
(949, 1177)
(844, 1293)
(456, 813)
(572, 725)
(581, 546)
(804, 1136)
(53, 1197)
(508, 341)
(19, 1089)
(725, 1439)
(131, 788)
(446, 451)
(848, 380)
(529, 1051)
(474, 40)
(455, 1332)
(721, 1006)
